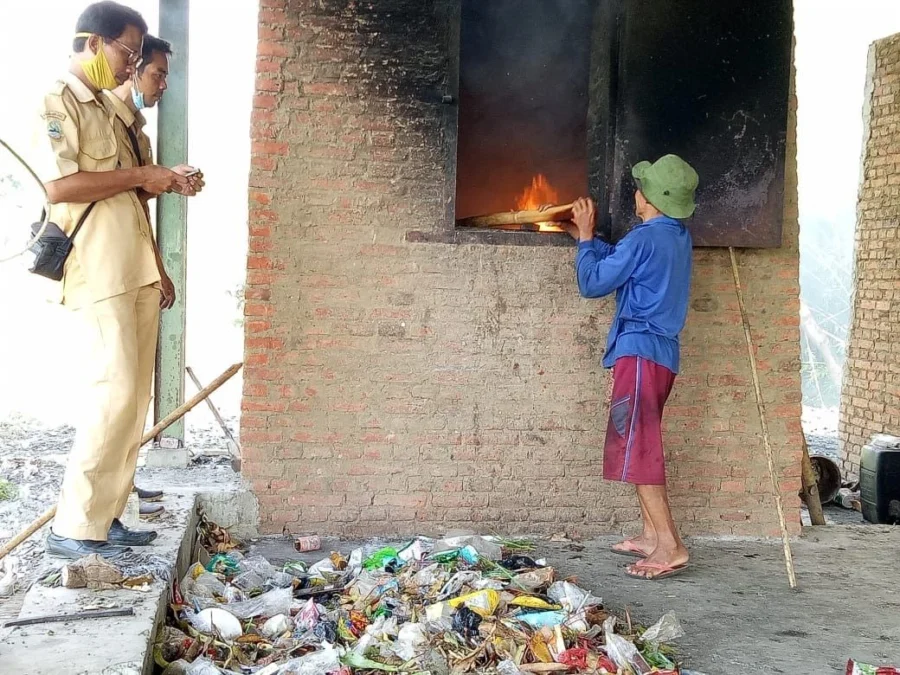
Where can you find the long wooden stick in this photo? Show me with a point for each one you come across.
(810, 488)
(761, 407)
(77, 616)
(552, 214)
(170, 419)
(187, 406)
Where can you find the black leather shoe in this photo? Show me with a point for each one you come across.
(149, 495)
(64, 547)
(122, 536)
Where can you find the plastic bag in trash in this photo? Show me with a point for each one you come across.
(507, 667)
(667, 629)
(210, 583)
(571, 597)
(623, 652)
(485, 547)
(258, 564)
(326, 630)
(543, 619)
(428, 576)
(277, 625)
(214, 621)
(309, 615)
(517, 562)
(280, 580)
(247, 581)
(233, 594)
(466, 622)
(326, 660)
(856, 668)
(203, 667)
(178, 667)
(410, 641)
(415, 550)
(456, 583)
(274, 602)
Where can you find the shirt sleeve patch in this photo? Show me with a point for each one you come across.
(54, 130)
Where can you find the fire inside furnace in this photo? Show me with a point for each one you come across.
(523, 102)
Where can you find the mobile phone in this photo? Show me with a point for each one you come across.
(193, 172)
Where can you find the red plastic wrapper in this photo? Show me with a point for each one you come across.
(856, 668)
(606, 664)
(576, 657)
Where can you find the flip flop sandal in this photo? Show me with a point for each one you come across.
(631, 550)
(662, 571)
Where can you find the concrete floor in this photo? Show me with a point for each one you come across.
(740, 616)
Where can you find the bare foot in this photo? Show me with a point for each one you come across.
(640, 544)
(660, 562)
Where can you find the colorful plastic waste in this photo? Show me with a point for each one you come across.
(463, 604)
(856, 668)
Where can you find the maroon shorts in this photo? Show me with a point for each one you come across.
(634, 449)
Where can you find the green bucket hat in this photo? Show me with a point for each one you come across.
(669, 184)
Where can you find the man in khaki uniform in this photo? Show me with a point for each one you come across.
(111, 278)
(126, 101)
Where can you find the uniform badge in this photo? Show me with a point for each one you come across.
(54, 130)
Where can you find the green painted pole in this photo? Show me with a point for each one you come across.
(171, 220)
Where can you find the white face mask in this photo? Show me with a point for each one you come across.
(137, 96)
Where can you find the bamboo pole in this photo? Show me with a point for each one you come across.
(761, 408)
(552, 214)
(171, 418)
(810, 487)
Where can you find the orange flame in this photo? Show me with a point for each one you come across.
(538, 194)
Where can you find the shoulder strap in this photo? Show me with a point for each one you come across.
(83, 218)
(135, 146)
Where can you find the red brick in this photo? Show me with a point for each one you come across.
(268, 148)
(259, 263)
(269, 48)
(264, 101)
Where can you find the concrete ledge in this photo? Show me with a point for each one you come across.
(120, 645)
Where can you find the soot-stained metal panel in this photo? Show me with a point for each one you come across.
(708, 81)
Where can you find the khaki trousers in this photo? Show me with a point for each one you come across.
(121, 333)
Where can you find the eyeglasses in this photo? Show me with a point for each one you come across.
(134, 57)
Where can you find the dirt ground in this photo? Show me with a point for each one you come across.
(739, 615)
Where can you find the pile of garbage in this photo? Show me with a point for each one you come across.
(465, 604)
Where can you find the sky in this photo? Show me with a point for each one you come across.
(832, 42)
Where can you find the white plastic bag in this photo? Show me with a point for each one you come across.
(571, 597)
(274, 602)
(507, 667)
(324, 661)
(214, 621)
(203, 667)
(623, 652)
(277, 625)
(410, 641)
(667, 629)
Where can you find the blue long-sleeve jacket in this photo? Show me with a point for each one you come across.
(650, 271)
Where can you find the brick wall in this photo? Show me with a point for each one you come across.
(870, 398)
(394, 387)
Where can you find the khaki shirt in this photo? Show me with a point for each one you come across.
(136, 121)
(112, 253)
(126, 118)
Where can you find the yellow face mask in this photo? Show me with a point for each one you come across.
(97, 68)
